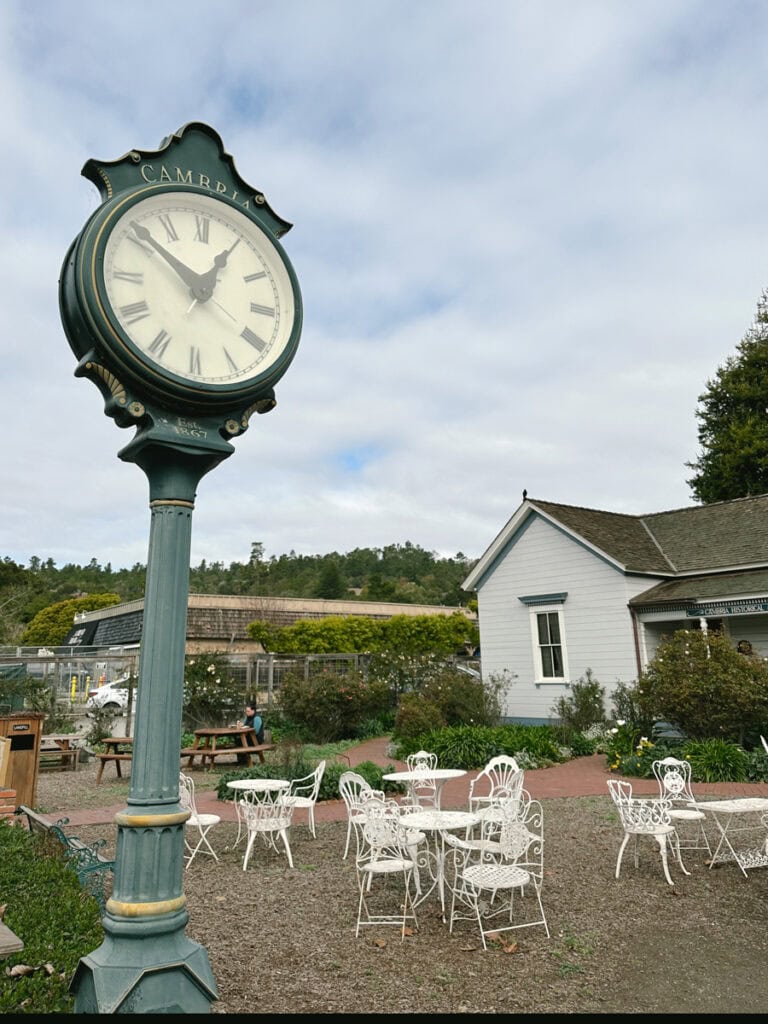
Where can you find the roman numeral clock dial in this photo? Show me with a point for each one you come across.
(197, 296)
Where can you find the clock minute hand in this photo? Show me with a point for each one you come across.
(207, 281)
(188, 276)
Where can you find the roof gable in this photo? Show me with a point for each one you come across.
(701, 538)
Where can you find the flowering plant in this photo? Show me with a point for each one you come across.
(625, 742)
(212, 695)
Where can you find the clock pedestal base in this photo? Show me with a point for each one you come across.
(144, 973)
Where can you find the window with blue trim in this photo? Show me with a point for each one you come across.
(550, 645)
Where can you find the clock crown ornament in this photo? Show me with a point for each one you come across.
(177, 297)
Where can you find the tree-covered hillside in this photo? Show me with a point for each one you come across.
(397, 572)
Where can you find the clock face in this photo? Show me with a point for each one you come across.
(198, 289)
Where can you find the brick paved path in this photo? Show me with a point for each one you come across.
(584, 776)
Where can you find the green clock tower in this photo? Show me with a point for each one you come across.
(181, 305)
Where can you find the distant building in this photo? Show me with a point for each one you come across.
(217, 622)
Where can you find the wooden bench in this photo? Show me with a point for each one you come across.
(56, 757)
(105, 758)
(211, 755)
(90, 865)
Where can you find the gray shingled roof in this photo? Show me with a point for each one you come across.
(622, 537)
(697, 589)
(723, 535)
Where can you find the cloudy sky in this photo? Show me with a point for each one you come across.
(527, 232)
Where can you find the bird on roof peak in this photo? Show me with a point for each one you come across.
(525, 494)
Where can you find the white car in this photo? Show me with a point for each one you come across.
(112, 695)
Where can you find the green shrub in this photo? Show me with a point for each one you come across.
(712, 760)
(756, 765)
(624, 744)
(628, 705)
(327, 707)
(212, 694)
(584, 705)
(704, 685)
(716, 760)
(463, 699)
(444, 696)
(579, 744)
(470, 747)
(415, 715)
(404, 673)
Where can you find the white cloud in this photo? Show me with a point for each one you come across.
(526, 233)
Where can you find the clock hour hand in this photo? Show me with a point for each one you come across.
(188, 276)
(207, 281)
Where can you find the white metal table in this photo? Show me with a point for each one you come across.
(256, 788)
(724, 813)
(439, 775)
(438, 823)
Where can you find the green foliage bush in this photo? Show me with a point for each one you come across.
(579, 743)
(416, 714)
(57, 920)
(25, 691)
(330, 707)
(756, 765)
(212, 695)
(49, 627)
(336, 634)
(404, 673)
(627, 705)
(447, 697)
(583, 706)
(712, 760)
(705, 686)
(471, 747)
(715, 760)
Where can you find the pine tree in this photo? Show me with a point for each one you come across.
(733, 421)
(331, 584)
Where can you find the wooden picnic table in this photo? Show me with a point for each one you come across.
(206, 745)
(59, 744)
(115, 753)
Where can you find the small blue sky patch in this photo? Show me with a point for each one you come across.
(352, 460)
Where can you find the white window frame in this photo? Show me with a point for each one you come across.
(548, 609)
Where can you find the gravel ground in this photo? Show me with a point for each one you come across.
(283, 941)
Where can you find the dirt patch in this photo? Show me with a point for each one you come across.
(282, 940)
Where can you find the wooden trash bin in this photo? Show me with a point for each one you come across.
(23, 729)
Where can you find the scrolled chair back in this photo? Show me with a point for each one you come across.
(421, 761)
(382, 830)
(638, 814)
(674, 778)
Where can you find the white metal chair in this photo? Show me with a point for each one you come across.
(495, 817)
(268, 816)
(374, 800)
(354, 789)
(489, 884)
(385, 851)
(674, 779)
(303, 792)
(764, 741)
(501, 778)
(424, 791)
(203, 823)
(645, 818)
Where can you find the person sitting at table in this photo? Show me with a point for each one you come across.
(254, 721)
